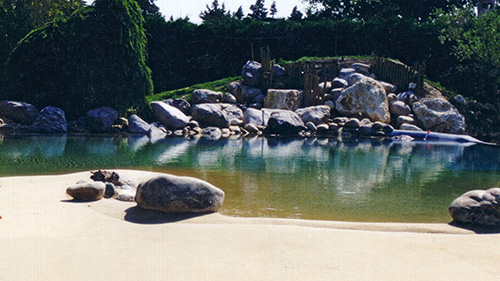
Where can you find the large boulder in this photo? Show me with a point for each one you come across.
(138, 126)
(284, 123)
(50, 120)
(251, 73)
(180, 104)
(284, 99)
(256, 117)
(169, 116)
(101, 119)
(19, 112)
(315, 114)
(206, 96)
(399, 108)
(367, 97)
(216, 114)
(439, 115)
(243, 93)
(477, 207)
(87, 191)
(173, 194)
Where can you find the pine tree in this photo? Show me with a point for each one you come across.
(273, 10)
(239, 13)
(259, 12)
(296, 15)
(215, 13)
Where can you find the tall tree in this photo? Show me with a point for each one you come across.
(215, 13)
(239, 13)
(296, 15)
(259, 12)
(273, 11)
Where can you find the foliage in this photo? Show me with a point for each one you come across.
(475, 43)
(273, 11)
(97, 57)
(296, 15)
(215, 13)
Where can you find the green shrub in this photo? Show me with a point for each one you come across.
(97, 57)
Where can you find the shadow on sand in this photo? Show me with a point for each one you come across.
(145, 216)
(477, 228)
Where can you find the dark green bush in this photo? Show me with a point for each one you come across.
(97, 57)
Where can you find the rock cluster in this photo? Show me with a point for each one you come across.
(351, 104)
(166, 193)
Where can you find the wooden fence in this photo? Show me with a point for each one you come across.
(307, 75)
(399, 74)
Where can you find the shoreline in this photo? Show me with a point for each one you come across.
(45, 236)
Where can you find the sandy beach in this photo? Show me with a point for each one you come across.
(46, 236)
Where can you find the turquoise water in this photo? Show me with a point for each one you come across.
(329, 179)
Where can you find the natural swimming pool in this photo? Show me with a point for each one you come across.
(330, 179)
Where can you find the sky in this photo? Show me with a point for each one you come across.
(193, 8)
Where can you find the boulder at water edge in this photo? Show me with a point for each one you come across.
(477, 207)
(50, 120)
(367, 97)
(173, 194)
(138, 126)
(315, 114)
(439, 115)
(180, 104)
(284, 123)
(19, 112)
(87, 191)
(216, 114)
(101, 119)
(169, 116)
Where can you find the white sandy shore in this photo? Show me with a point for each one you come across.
(43, 236)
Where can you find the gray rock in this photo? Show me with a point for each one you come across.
(50, 120)
(229, 98)
(169, 116)
(407, 97)
(212, 133)
(477, 207)
(325, 87)
(361, 68)
(355, 78)
(259, 99)
(315, 114)
(284, 123)
(311, 126)
(409, 127)
(19, 112)
(126, 195)
(339, 83)
(256, 117)
(249, 94)
(251, 73)
(389, 88)
(137, 126)
(206, 96)
(367, 97)
(251, 128)
(101, 119)
(172, 194)
(392, 98)
(256, 106)
(346, 72)
(399, 108)
(439, 115)
(284, 99)
(180, 104)
(459, 99)
(353, 123)
(330, 104)
(110, 190)
(278, 71)
(217, 115)
(405, 119)
(88, 191)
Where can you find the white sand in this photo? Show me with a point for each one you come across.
(45, 237)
